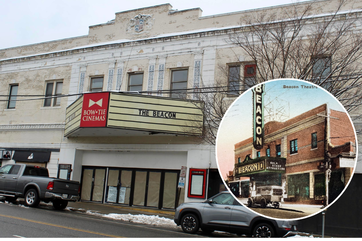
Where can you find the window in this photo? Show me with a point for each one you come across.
(258, 154)
(278, 150)
(179, 83)
(135, 82)
(224, 198)
(234, 80)
(294, 146)
(239, 160)
(249, 75)
(12, 96)
(314, 140)
(321, 69)
(53, 89)
(235, 83)
(268, 151)
(96, 84)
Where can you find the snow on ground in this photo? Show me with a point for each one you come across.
(153, 220)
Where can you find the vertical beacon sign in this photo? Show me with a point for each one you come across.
(258, 116)
(94, 110)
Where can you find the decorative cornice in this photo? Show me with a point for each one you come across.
(32, 126)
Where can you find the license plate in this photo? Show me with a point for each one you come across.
(65, 195)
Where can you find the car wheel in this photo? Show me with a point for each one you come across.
(263, 203)
(190, 223)
(32, 198)
(263, 230)
(250, 202)
(60, 204)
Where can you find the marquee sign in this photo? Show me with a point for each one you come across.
(263, 165)
(136, 113)
(258, 117)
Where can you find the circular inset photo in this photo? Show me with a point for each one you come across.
(286, 149)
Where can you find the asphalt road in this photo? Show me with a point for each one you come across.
(20, 221)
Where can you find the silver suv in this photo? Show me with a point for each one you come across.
(222, 212)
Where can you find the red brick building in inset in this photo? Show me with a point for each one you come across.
(302, 155)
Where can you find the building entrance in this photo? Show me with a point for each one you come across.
(133, 187)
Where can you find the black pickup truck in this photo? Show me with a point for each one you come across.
(34, 185)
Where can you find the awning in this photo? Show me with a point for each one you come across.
(32, 156)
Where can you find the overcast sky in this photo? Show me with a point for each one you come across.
(26, 22)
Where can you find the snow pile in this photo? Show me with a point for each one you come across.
(153, 220)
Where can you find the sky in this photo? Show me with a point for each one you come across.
(26, 22)
(237, 125)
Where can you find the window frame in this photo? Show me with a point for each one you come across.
(234, 81)
(133, 85)
(182, 93)
(293, 146)
(53, 101)
(12, 96)
(94, 89)
(314, 140)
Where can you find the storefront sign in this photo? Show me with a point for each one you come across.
(258, 117)
(94, 110)
(258, 166)
(275, 165)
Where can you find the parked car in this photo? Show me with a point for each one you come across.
(224, 213)
(34, 185)
(266, 195)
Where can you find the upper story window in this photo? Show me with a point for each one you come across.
(135, 82)
(258, 154)
(96, 84)
(294, 146)
(239, 160)
(322, 67)
(278, 150)
(268, 151)
(179, 83)
(238, 81)
(314, 140)
(53, 89)
(12, 96)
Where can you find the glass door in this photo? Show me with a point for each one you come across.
(125, 187)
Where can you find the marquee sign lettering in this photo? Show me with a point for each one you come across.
(258, 117)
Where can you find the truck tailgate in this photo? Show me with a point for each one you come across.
(65, 186)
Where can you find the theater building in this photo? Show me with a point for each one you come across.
(297, 153)
(117, 109)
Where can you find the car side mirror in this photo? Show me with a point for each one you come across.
(210, 201)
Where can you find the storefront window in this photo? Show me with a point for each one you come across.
(298, 186)
(169, 191)
(140, 188)
(153, 192)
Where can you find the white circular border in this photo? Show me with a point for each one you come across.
(356, 143)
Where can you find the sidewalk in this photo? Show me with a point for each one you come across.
(102, 208)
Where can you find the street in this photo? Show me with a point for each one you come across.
(21, 221)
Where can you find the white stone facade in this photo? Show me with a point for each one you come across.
(167, 40)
